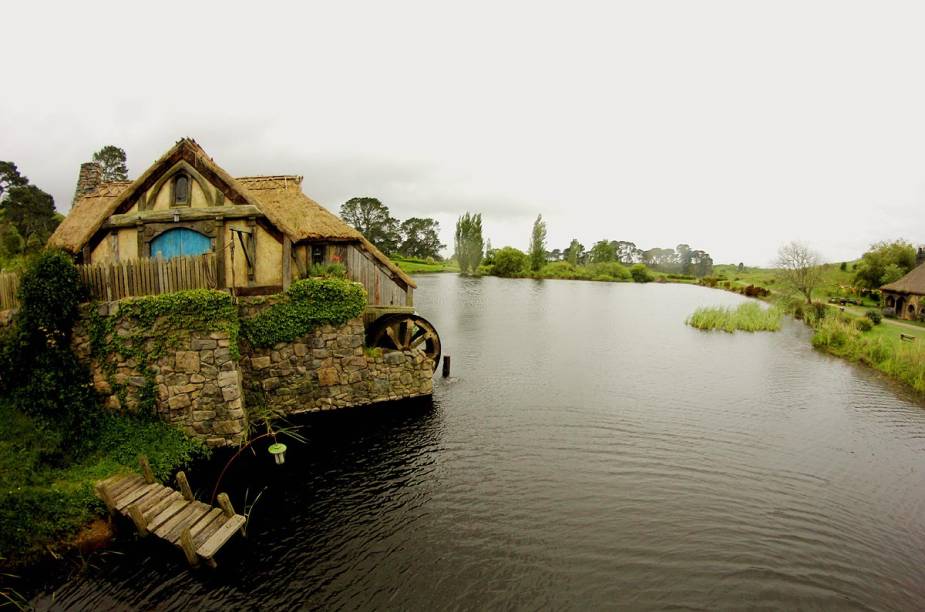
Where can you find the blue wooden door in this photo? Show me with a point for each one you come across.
(180, 241)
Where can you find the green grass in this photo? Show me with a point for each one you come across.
(835, 282)
(421, 266)
(750, 317)
(45, 498)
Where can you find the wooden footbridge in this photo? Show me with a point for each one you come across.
(198, 529)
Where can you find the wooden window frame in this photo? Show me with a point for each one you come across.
(173, 191)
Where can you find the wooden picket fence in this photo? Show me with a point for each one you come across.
(122, 279)
(9, 285)
(148, 276)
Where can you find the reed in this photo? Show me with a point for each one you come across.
(750, 317)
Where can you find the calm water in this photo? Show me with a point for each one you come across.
(593, 452)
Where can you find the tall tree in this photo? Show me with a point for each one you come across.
(420, 238)
(372, 219)
(469, 243)
(575, 252)
(685, 263)
(603, 251)
(875, 269)
(10, 177)
(627, 252)
(111, 160)
(799, 269)
(538, 244)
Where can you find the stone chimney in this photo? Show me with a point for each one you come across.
(89, 179)
(920, 256)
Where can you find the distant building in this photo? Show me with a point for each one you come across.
(263, 230)
(907, 295)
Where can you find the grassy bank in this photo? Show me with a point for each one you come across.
(750, 317)
(46, 496)
(878, 346)
(424, 266)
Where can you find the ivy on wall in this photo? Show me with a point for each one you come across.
(144, 329)
(307, 304)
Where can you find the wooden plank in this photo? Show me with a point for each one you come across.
(168, 513)
(221, 535)
(196, 514)
(154, 492)
(205, 524)
(137, 494)
(162, 505)
(187, 512)
(118, 488)
(134, 485)
(153, 499)
(112, 480)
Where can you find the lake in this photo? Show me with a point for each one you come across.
(590, 451)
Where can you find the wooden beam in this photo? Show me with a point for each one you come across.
(146, 469)
(287, 262)
(234, 211)
(183, 483)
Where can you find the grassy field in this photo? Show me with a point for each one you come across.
(835, 282)
(422, 266)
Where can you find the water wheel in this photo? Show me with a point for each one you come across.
(403, 332)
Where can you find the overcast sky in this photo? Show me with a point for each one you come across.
(731, 126)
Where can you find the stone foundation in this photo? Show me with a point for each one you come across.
(201, 386)
(330, 368)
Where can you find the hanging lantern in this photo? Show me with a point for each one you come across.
(278, 450)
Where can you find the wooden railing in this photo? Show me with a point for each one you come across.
(117, 280)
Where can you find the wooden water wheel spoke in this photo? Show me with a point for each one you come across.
(405, 332)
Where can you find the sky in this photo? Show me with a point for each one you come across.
(732, 126)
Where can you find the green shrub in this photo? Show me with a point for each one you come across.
(510, 262)
(864, 324)
(874, 316)
(609, 270)
(640, 273)
(330, 270)
(307, 304)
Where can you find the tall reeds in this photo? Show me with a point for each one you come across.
(750, 317)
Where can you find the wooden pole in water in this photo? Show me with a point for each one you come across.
(184, 486)
(446, 366)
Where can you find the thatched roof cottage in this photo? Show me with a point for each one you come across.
(907, 295)
(263, 230)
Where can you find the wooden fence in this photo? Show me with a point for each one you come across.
(117, 280)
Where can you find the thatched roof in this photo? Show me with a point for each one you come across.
(279, 198)
(913, 282)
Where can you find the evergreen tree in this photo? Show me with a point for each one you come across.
(372, 219)
(538, 244)
(111, 160)
(421, 238)
(469, 244)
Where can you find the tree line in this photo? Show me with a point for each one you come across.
(417, 237)
(469, 252)
(27, 213)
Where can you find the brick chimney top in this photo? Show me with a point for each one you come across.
(89, 179)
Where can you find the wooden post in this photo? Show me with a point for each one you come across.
(138, 518)
(225, 504)
(146, 468)
(287, 257)
(220, 252)
(184, 486)
(106, 497)
(186, 543)
(446, 366)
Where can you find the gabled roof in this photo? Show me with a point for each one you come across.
(913, 282)
(279, 198)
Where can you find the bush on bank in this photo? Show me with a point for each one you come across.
(55, 440)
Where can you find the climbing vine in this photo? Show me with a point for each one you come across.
(306, 304)
(142, 330)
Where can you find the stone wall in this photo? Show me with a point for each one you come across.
(195, 383)
(330, 368)
(194, 380)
